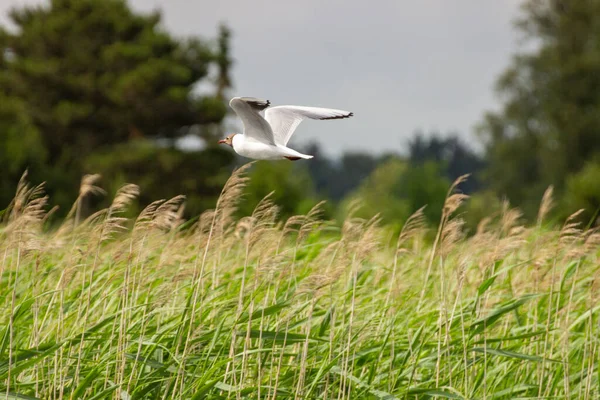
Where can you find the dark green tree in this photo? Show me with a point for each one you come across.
(323, 170)
(583, 192)
(224, 61)
(449, 152)
(79, 77)
(550, 123)
(291, 185)
(396, 189)
(334, 179)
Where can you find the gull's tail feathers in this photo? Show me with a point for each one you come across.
(293, 155)
(296, 158)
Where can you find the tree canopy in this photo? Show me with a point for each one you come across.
(396, 189)
(549, 125)
(453, 156)
(79, 77)
(90, 86)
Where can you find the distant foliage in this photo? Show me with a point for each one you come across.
(549, 126)
(481, 206)
(292, 188)
(79, 77)
(454, 157)
(396, 189)
(198, 174)
(336, 178)
(583, 192)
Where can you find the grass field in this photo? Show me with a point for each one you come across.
(219, 308)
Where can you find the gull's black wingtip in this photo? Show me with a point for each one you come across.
(340, 116)
(257, 104)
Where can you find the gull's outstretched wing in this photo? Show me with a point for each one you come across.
(285, 119)
(255, 126)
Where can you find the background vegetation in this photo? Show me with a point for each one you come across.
(255, 308)
(120, 108)
(244, 284)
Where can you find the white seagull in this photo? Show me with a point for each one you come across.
(266, 138)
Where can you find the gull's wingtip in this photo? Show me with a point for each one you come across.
(255, 103)
(342, 115)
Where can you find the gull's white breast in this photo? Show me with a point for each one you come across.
(251, 148)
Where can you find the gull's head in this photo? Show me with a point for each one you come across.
(228, 140)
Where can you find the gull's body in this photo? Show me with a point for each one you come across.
(250, 148)
(266, 138)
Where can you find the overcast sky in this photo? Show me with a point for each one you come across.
(399, 65)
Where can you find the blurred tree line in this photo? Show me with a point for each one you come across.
(393, 185)
(89, 86)
(548, 131)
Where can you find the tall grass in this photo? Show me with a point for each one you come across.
(161, 308)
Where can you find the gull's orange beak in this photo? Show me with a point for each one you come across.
(222, 141)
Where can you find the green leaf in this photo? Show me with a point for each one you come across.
(225, 387)
(568, 273)
(279, 337)
(22, 307)
(203, 391)
(17, 396)
(326, 321)
(104, 394)
(583, 317)
(275, 308)
(485, 285)
(512, 337)
(510, 354)
(481, 324)
(436, 392)
(85, 384)
(380, 394)
(514, 390)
